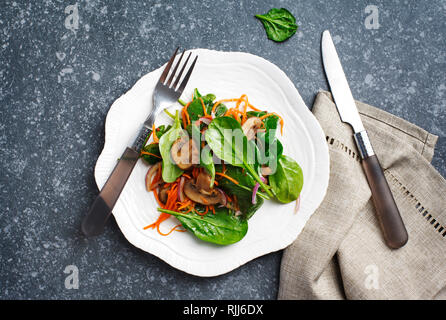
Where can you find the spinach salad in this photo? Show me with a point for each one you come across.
(215, 165)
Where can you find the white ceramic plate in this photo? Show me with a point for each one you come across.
(274, 226)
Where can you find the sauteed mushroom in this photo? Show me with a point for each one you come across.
(163, 194)
(250, 127)
(192, 191)
(203, 183)
(184, 153)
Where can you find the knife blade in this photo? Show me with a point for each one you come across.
(391, 223)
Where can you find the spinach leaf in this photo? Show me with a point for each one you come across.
(207, 99)
(220, 110)
(221, 228)
(170, 170)
(162, 129)
(257, 114)
(243, 190)
(279, 24)
(206, 159)
(222, 135)
(270, 148)
(154, 149)
(195, 110)
(287, 181)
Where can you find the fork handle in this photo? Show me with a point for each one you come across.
(93, 224)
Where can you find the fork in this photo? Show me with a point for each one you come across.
(167, 91)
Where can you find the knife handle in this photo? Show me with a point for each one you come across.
(392, 226)
(93, 224)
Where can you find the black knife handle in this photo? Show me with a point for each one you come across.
(93, 224)
(392, 226)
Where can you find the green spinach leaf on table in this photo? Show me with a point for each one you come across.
(279, 24)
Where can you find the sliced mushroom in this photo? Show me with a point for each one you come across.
(163, 194)
(193, 192)
(184, 153)
(266, 171)
(203, 183)
(250, 127)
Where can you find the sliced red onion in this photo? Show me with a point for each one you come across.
(205, 120)
(263, 179)
(223, 195)
(296, 208)
(149, 175)
(180, 189)
(254, 193)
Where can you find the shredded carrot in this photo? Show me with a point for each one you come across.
(274, 114)
(227, 177)
(171, 230)
(213, 209)
(190, 209)
(185, 205)
(239, 100)
(163, 216)
(204, 107)
(155, 137)
(155, 193)
(150, 154)
(253, 108)
(185, 115)
(187, 176)
(220, 101)
(245, 109)
(203, 213)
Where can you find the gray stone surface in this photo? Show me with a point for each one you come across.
(56, 86)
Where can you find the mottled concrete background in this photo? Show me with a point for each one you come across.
(60, 75)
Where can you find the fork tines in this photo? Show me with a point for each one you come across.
(174, 71)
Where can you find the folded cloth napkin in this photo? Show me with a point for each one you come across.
(341, 253)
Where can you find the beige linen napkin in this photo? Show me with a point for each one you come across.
(340, 253)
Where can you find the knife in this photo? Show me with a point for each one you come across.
(392, 226)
